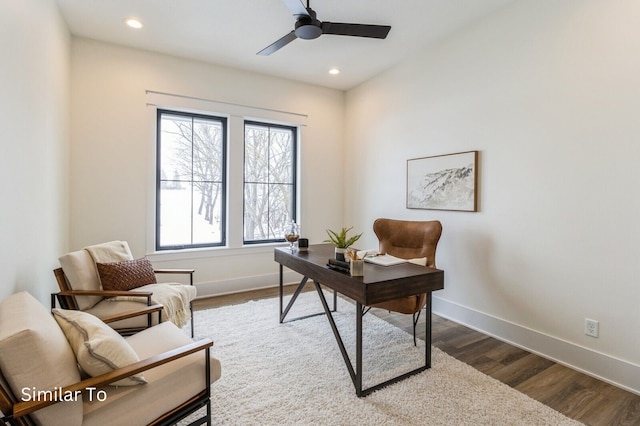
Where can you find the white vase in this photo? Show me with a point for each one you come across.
(340, 254)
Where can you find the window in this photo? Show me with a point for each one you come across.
(269, 181)
(190, 180)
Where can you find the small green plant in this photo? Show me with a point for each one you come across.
(340, 239)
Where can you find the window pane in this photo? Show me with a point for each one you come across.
(256, 225)
(207, 151)
(175, 216)
(207, 213)
(175, 150)
(191, 186)
(280, 156)
(280, 208)
(256, 156)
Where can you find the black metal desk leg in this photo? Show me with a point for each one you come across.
(281, 291)
(427, 336)
(358, 349)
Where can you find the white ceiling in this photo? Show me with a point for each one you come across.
(231, 32)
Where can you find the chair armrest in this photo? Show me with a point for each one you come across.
(106, 293)
(146, 310)
(23, 408)
(174, 271)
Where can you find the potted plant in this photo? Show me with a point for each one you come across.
(342, 241)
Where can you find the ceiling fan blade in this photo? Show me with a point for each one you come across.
(358, 30)
(296, 7)
(278, 44)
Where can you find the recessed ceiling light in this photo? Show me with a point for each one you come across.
(334, 71)
(133, 23)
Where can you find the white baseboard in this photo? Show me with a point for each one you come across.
(617, 372)
(238, 285)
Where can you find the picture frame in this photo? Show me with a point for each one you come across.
(443, 182)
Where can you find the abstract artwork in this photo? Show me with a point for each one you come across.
(443, 182)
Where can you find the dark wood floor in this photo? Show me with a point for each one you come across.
(574, 394)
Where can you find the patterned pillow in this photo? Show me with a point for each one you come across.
(98, 348)
(126, 275)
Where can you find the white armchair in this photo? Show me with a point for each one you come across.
(131, 289)
(41, 382)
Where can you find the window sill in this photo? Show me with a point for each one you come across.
(186, 254)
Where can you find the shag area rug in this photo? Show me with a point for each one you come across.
(293, 374)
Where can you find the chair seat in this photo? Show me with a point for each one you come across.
(168, 385)
(403, 305)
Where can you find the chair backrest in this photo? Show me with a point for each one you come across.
(409, 239)
(35, 356)
(79, 271)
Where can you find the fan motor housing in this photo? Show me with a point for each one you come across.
(308, 29)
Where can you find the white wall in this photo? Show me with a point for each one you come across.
(113, 156)
(549, 93)
(34, 107)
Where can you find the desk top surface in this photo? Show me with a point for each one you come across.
(379, 283)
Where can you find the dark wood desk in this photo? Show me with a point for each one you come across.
(379, 284)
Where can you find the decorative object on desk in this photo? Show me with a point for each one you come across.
(342, 241)
(356, 264)
(303, 244)
(356, 268)
(443, 182)
(292, 234)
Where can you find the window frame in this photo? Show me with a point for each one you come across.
(223, 179)
(294, 176)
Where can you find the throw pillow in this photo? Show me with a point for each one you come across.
(126, 275)
(98, 348)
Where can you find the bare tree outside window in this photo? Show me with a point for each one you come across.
(269, 181)
(191, 180)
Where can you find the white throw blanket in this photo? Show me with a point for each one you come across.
(175, 298)
(114, 251)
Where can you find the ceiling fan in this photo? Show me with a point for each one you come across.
(307, 27)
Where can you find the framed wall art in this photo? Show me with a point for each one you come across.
(443, 182)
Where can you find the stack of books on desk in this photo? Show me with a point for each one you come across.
(338, 265)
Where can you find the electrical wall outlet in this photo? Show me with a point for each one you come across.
(591, 327)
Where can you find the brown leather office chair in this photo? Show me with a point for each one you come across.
(408, 240)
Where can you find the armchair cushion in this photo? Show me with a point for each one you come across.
(126, 275)
(98, 348)
(81, 274)
(35, 355)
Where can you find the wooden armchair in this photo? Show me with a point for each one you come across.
(80, 285)
(40, 381)
(408, 240)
